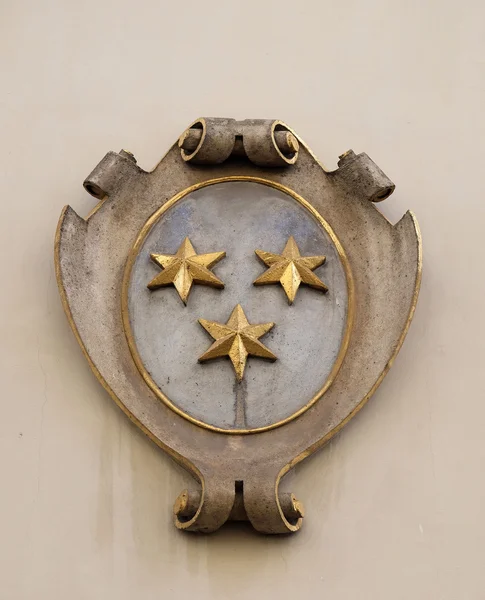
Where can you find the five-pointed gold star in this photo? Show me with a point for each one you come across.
(236, 339)
(185, 268)
(290, 269)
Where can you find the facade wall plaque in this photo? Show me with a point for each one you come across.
(240, 304)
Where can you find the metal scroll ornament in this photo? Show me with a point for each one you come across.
(240, 304)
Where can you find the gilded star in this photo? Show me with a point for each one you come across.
(237, 339)
(290, 269)
(185, 268)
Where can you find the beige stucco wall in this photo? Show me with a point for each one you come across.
(395, 504)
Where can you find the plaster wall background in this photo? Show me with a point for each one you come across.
(395, 502)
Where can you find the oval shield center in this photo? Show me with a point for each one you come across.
(237, 304)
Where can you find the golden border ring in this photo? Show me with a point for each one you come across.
(126, 317)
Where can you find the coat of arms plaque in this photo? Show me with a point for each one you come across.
(240, 304)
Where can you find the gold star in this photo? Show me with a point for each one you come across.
(237, 339)
(290, 269)
(185, 268)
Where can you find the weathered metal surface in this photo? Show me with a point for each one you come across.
(265, 142)
(239, 473)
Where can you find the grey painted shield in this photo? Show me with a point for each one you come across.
(238, 218)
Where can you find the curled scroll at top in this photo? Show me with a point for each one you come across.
(358, 171)
(265, 142)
